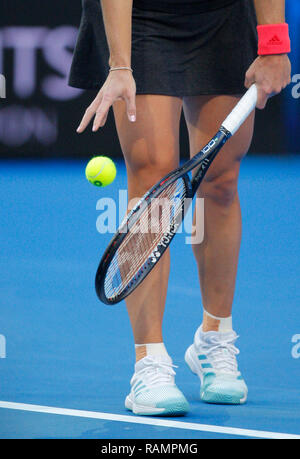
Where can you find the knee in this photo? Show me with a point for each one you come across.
(221, 189)
(144, 174)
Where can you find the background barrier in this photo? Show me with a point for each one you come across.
(39, 116)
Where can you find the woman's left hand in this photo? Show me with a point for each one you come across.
(271, 74)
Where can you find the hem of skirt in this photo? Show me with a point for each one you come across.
(183, 10)
(83, 84)
(194, 93)
(80, 84)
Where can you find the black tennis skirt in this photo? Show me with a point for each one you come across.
(173, 54)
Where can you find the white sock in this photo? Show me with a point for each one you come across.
(153, 348)
(225, 323)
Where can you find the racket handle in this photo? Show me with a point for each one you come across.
(241, 111)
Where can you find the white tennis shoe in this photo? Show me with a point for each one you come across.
(153, 389)
(212, 357)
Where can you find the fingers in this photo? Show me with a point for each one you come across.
(271, 74)
(249, 78)
(131, 107)
(89, 113)
(107, 102)
(100, 108)
(264, 90)
(262, 98)
(102, 111)
(249, 81)
(267, 90)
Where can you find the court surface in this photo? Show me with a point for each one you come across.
(66, 359)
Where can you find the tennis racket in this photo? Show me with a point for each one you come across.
(148, 229)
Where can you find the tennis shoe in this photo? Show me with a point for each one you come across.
(153, 389)
(212, 357)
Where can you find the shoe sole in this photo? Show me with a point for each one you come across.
(213, 397)
(171, 408)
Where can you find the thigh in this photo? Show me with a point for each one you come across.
(151, 144)
(204, 115)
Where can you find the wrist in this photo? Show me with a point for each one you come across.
(116, 61)
(275, 56)
(120, 69)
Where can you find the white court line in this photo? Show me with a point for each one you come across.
(148, 421)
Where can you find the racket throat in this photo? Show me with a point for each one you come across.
(209, 152)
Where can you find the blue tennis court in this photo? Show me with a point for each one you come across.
(66, 359)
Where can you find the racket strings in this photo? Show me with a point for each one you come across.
(132, 257)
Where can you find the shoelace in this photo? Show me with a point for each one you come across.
(158, 372)
(222, 356)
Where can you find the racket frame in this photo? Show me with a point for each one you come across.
(201, 161)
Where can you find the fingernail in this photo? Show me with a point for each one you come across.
(132, 118)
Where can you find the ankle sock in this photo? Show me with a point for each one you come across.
(142, 350)
(214, 323)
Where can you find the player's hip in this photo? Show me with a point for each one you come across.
(206, 53)
(173, 54)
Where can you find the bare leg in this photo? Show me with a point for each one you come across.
(217, 256)
(151, 150)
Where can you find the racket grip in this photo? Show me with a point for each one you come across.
(241, 111)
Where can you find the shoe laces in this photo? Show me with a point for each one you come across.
(221, 353)
(157, 372)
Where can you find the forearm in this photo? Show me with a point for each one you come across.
(270, 11)
(117, 16)
(271, 70)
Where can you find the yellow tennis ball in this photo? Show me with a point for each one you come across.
(100, 171)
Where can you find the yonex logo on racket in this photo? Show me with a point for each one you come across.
(204, 164)
(165, 241)
(154, 256)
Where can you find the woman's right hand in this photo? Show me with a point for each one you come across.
(119, 84)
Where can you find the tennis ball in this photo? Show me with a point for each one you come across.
(100, 171)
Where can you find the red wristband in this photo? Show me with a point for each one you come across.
(273, 39)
